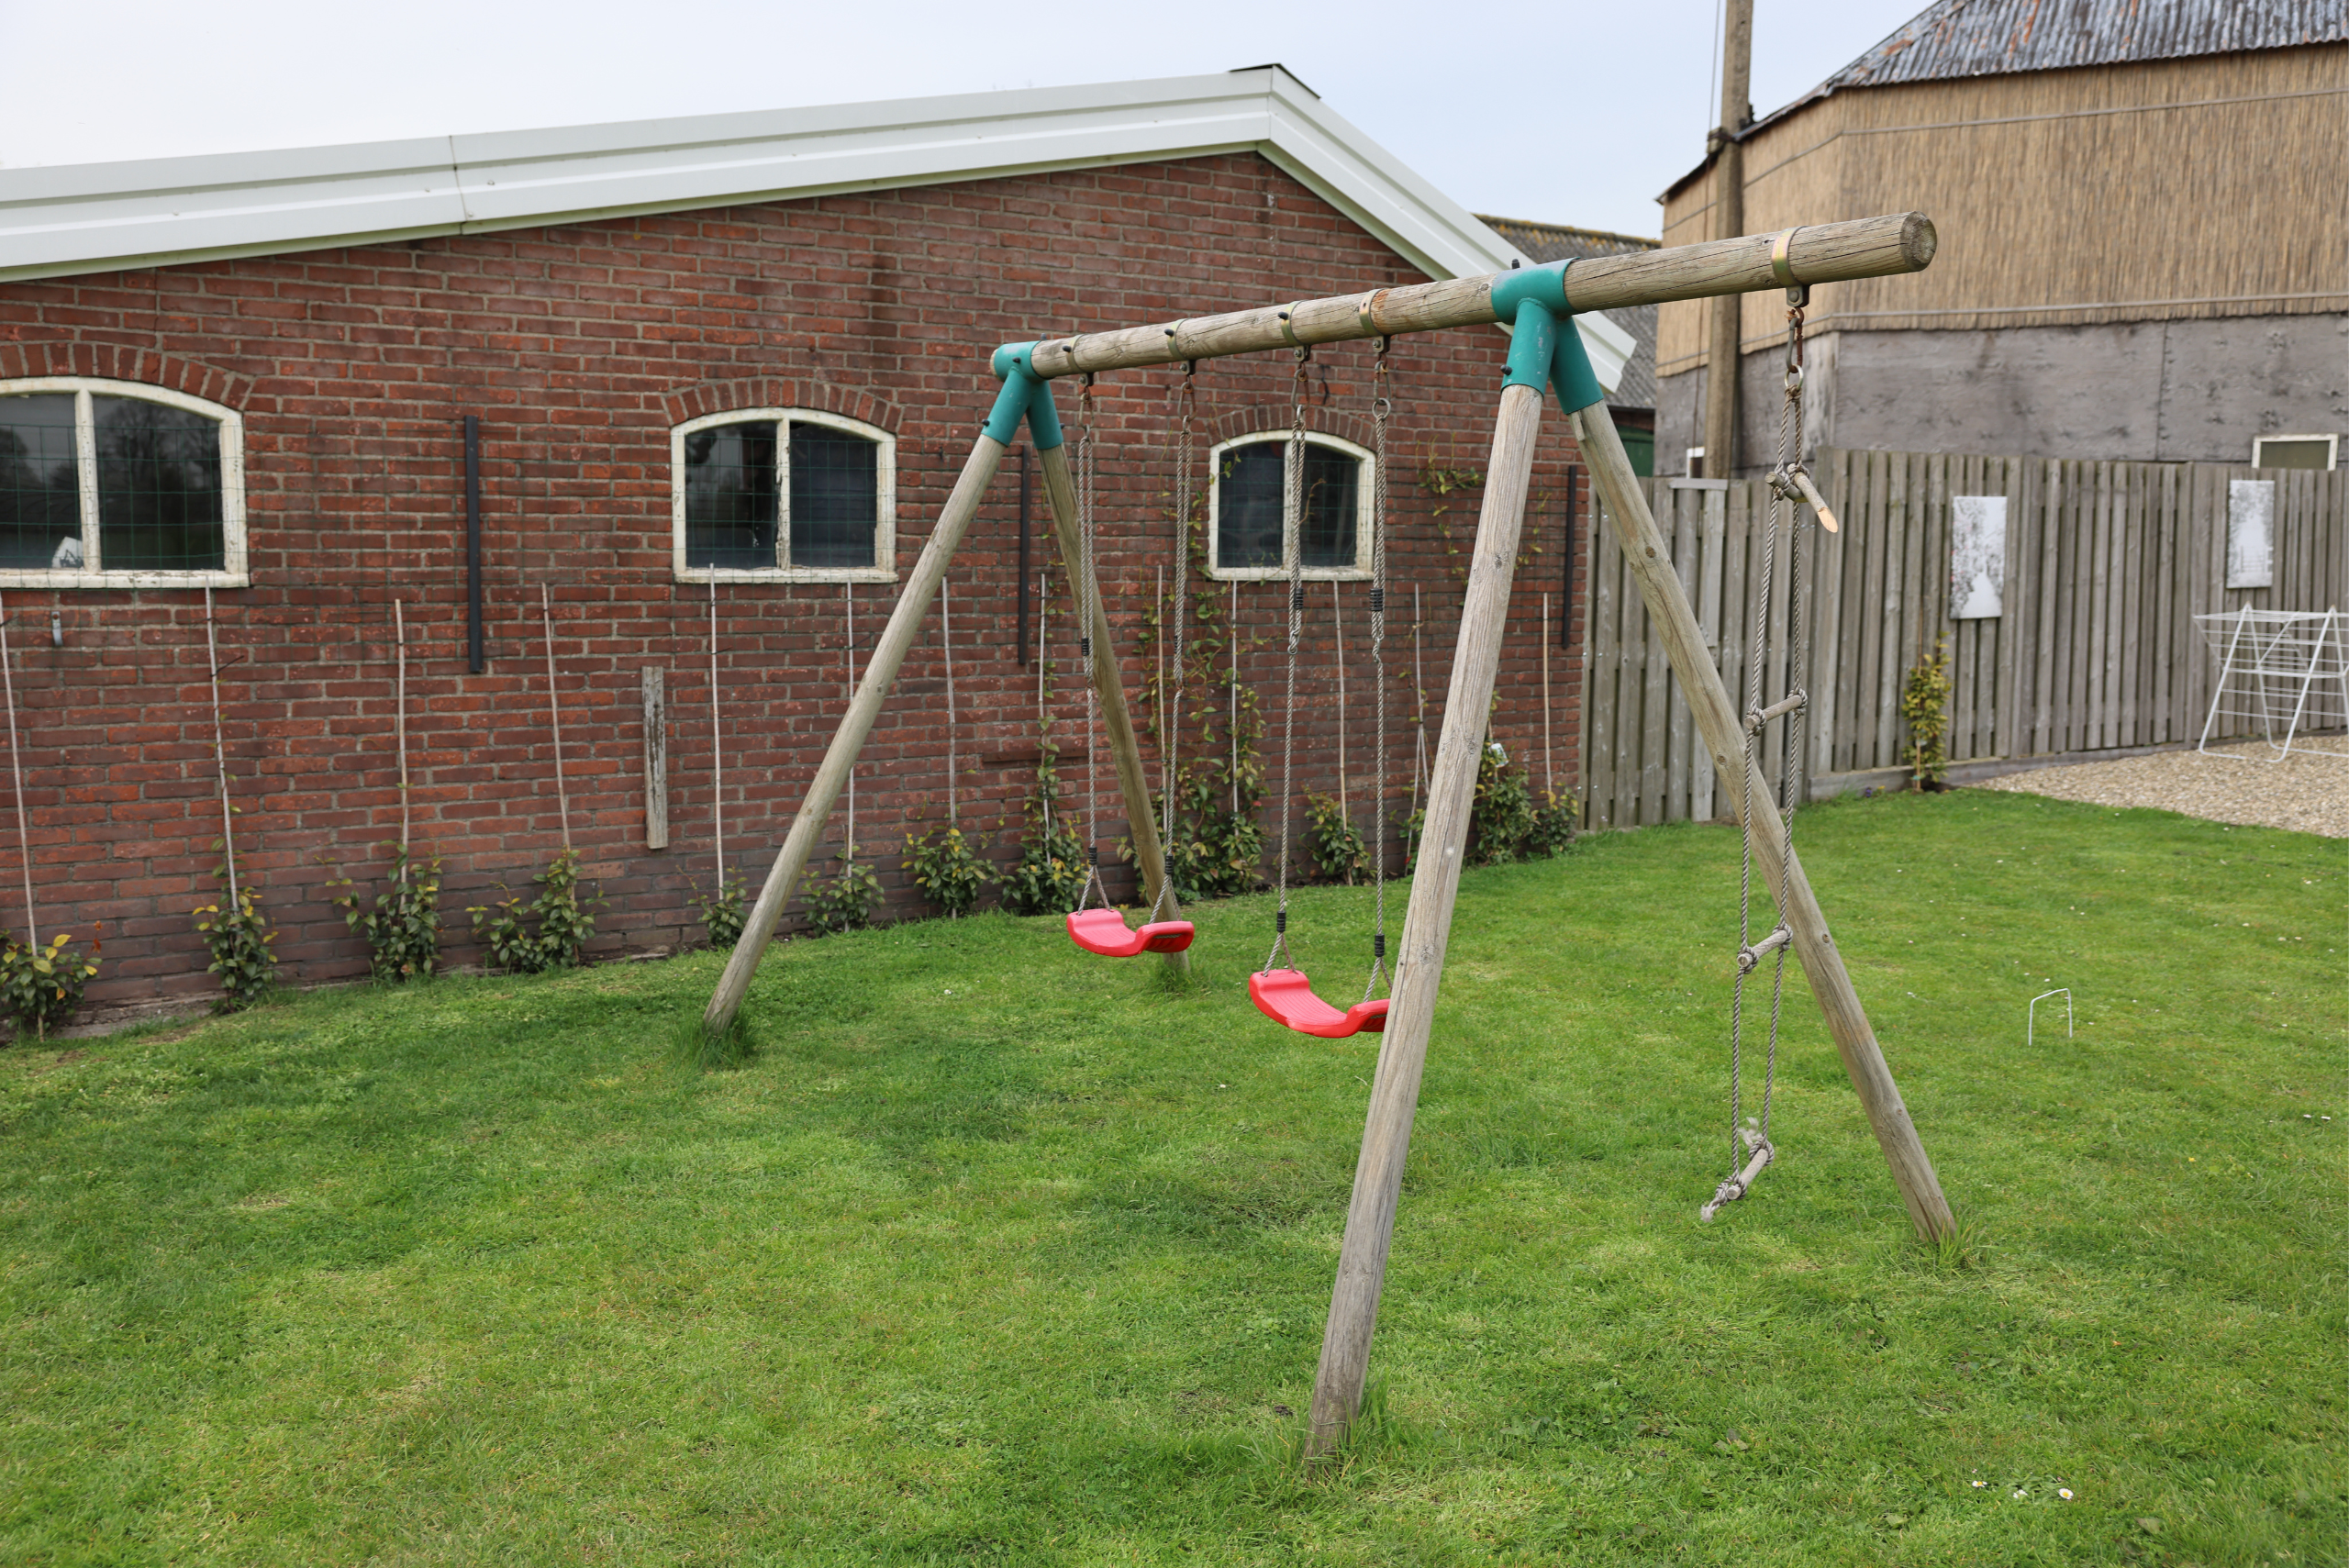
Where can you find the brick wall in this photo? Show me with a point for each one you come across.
(578, 347)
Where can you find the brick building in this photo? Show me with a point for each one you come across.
(732, 362)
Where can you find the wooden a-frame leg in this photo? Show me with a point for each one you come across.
(1419, 966)
(1150, 855)
(889, 653)
(1669, 612)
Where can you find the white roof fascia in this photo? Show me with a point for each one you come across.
(59, 221)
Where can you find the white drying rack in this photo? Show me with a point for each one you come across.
(2270, 662)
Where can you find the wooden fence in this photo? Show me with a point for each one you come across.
(2106, 564)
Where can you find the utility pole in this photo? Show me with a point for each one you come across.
(1729, 222)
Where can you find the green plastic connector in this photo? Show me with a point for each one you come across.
(1545, 284)
(1532, 345)
(1025, 395)
(1569, 372)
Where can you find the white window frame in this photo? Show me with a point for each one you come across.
(1365, 508)
(2332, 440)
(884, 501)
(232, 573)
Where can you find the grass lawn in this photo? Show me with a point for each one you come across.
(1001, 1253)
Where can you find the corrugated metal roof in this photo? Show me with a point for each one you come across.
(1560, 242)
(1995, 37)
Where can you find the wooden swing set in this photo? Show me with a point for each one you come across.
(1538, 304)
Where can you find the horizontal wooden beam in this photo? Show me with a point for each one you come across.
(1814, 253)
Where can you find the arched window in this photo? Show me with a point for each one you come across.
(763, 494)
(1244, 508)
(111, 483)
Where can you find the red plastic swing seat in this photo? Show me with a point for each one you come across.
(1104, 931)
(1285, 996)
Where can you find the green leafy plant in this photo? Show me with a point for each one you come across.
(1553, 825)
(563, 924)
(724, 916)
(1049, 876)
(1415, 824)
(1501, 819)
(947, 869)
(403, 930)
(238, 934)
(41, 987)
(844, 902)
(1336, 845)
(1924, 706)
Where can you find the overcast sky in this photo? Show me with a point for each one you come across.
(1568, 111)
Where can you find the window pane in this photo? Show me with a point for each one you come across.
(1248, 506)
(159, 489)
(835, 496)
(730, 495)
(1331, 476)
(41, 499)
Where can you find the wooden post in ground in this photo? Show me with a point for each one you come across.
(888, 655)
(1419, 967)
(1708, 701)
(1150, 855)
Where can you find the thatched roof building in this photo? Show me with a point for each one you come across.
(2144, 235)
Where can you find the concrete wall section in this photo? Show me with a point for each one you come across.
(2189, 391)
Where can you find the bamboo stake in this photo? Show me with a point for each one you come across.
(717, 750)
(554, 713)
(1108, 683)
(1338, 620)
(1231, 726)
(16, 770)
(848, 694)
(399, 721)
(880, 673)
(220, 756)
(1549, 778)
(946, 639)
(1675, 621)
(1419, 970)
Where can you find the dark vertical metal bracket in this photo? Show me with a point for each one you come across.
(476, 653)
(1020, 647)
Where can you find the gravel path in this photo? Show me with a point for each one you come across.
(2306, 793)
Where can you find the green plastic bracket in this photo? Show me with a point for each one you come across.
(1569, 372)
(1532, 345)
(1545, 284)
(1025, 395)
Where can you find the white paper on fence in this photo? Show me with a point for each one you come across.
(1978, 557)
(2251, 533)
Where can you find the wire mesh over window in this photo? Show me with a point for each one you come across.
(40, 489)
(1248, 507)
(159, 487)
(1249, 500)
(730, 495)
(1328, 526)
(835, 498)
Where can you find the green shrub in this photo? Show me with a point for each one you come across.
(1338, 853)
(1553, 827)
(842, 903)
(947, 869)
(1049, 876)
(1414, 825)
(1925, 706)
(1501, 819)
(724, 916)
(563, 923)
(403, 930)
(240, 938)
(41, 986)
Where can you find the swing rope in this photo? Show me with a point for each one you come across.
(1187, 403)
(1382, 407)
(1293, 544)
(1749, 1144)
(1088, 608)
